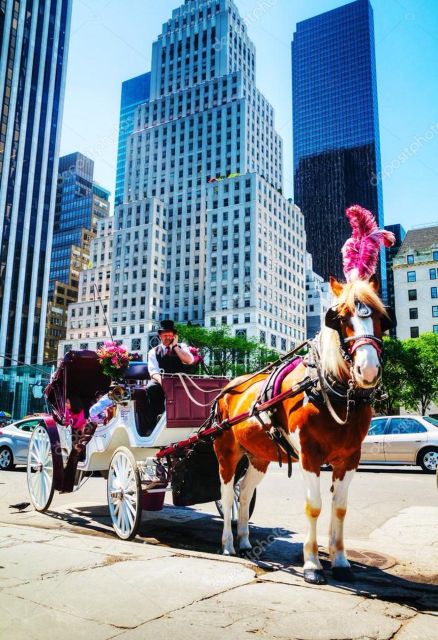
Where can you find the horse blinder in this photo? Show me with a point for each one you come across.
(332, 319)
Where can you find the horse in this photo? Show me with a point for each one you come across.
(323, 429)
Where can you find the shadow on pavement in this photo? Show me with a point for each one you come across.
(274, 550)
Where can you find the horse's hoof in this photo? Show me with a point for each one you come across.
(342, 574)
(246, 553)
(314, 576)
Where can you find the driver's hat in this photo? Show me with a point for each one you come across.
(166, 326)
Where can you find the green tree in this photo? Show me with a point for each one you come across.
(224, 354)
(394, 376)
(421, 357)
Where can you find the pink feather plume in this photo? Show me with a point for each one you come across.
(361, 252)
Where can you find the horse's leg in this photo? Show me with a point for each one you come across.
(340, 566)
(313, 571)
(251, 479)
(228, 455)
(227, 498)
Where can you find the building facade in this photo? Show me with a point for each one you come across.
(88, 317)
(80, 204)
(135, 91)
(318, 299)
(204, 227)
(33, 43)
(335, 128)
(416, 283)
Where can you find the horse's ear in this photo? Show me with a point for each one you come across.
(335, 286)
(374, 282)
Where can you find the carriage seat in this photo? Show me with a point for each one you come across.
(143, 423)
(137, 371)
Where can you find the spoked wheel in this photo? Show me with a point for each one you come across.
(124, 494)
(240, 472)
(40, 478)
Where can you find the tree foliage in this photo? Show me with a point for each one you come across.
(224, 354)
(410, 373)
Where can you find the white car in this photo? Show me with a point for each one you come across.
(14, 441)
(399, 440)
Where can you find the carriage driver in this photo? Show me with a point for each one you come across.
(169, 356)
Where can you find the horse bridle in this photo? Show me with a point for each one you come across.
(348, 345)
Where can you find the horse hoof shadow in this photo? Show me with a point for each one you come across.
(314, 576)
(343, 574)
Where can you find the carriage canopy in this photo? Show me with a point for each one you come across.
(78, 376)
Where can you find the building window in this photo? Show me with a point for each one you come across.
(67, 348)
(263, 337)
(435, 255)
(435, 328)
(410, 259)
(411, 276)
(241, 333)
(412, 294)
(83, 345)
(273, 341)
(435, 311)
(135, 344)
(432, 274)
(415, 332)
(212, 322)
(434, 292)
(413, 313)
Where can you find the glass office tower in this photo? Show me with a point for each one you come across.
(135, 91)
(80, 203)
(33, 46)
(335, 128)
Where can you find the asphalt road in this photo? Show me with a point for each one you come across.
(377, 495)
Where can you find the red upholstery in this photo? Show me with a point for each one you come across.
(180, 410)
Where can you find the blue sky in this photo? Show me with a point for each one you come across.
(111, 41)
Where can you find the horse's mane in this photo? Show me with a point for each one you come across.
(357, 290)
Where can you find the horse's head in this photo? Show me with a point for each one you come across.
(359, 318)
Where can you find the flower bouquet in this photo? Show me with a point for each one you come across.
(114, 359)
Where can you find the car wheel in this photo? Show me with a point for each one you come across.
(428, 460)
(6, 459)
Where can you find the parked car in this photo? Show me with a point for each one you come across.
(14, 441)
(401, 440)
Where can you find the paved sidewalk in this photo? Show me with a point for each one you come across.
(55, 583)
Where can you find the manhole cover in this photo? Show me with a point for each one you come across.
(371, 559)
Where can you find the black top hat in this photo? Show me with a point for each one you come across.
(166, 325)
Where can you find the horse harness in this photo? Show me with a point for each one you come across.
(318, 387)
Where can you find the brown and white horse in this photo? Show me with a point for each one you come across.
(349, 352)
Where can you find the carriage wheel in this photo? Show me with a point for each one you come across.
(240, 472)
(40, 476)
(124, 494)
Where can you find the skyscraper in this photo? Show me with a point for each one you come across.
(135, 91)
(204, 233)
(80, 204)
(33, 44)
(87, 326)
(335, 128)
(391, 253)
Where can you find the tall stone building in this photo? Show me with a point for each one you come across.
(33, 53)
(204, 233)
(416, 283)
(80, 203)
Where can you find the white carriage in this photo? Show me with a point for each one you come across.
(139, 462)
